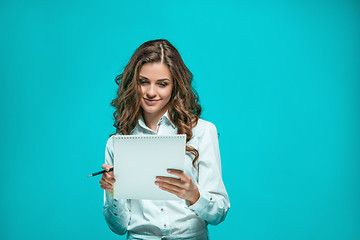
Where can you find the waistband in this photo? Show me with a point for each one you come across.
(203, 235)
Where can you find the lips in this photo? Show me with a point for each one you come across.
(150, 102)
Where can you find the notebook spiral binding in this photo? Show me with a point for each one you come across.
(149, 136)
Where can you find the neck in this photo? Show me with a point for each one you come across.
(152, 119)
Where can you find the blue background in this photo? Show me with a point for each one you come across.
(280, 80)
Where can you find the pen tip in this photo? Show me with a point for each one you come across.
(90, 175)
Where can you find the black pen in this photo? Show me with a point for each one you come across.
(101, 172)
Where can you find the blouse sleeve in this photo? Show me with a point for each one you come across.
(116, 212)
(213, 204)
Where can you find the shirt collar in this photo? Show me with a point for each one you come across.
(166, 116)
(141, 120)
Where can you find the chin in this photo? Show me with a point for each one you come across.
(152, 110)
(148, 109)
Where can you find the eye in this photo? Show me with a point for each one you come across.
(163, 84)
(142, 81)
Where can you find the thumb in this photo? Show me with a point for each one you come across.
(106, 167)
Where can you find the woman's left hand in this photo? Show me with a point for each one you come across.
(184, 187)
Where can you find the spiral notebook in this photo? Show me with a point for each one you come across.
(138, 159)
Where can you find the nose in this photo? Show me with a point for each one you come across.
(151, 92)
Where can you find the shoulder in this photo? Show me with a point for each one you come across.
(204, 127)
(110, 141)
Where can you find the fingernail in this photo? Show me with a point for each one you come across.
(169, 170)
(157, 183)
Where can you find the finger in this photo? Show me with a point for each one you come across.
(106, 167)
(171, 191)
(171, 180)
(105, 181)
(109, 176)
(106, 186)
(178, 173)
(168, 189)
(169, 186)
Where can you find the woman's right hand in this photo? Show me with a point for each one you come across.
(107, 179)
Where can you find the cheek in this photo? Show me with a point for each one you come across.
(167, 93)
(142, 90)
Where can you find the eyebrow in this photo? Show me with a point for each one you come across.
(163, 79)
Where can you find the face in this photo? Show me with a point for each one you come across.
(156, 86)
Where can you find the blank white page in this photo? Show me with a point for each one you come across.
(138, 159)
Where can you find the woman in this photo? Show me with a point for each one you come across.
(155, 97)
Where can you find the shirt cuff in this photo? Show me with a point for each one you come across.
(203, 202)
(116, 207)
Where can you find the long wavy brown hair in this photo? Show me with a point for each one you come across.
(184, 109)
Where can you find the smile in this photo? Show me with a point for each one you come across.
(151, 101)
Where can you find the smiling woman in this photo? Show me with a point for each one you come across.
(155, 97)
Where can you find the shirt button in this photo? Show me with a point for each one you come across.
(162, 209)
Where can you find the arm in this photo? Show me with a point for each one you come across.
(207, 198)
(213, 204)
(116, 212)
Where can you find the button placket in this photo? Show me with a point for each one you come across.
(162, 211)
(165, 220)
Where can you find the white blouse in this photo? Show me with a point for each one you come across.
(173, 219)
